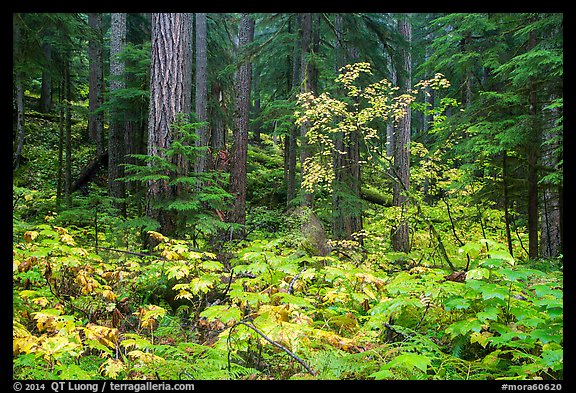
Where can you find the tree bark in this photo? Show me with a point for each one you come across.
(20, 129)
(550, 220)
(290, 144)
(306, 78)
(170, 95)
(202, 162)
(390, 127)
(532, 160)
(506, 202)
(68, 134)
(46, 88)
(241, 122)
(96, 82)
(256, 108)
(346, 210)
(217, 123)
(400, 234)
(117, 129)
(60, 170)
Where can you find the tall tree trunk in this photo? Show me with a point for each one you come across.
(550, 220)
(256, 107)
(117, 129)
(506, 203)
(60, 175)
(20, 129)
(217, 123)
(96, 82)
(532, 158)
(201, 164)
(390, 128)
(346, 211)
(68, 134)
(46, 88)
(170, 95)
(400, 234)
(239, 157)
(291, 139)
(307, 83)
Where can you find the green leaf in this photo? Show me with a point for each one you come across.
(542, 290)
(293, 300)
(547, 335)
(224, 313)
(462, 328)
(458, 303)
(490, 313)
(553, 358)
(488, 290)
(382, 374)
(202, 283)
(410, 361)
(477, 274)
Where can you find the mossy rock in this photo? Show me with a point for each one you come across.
(314, 240)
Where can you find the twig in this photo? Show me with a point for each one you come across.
(251, 326)
(291, 286)
(454, 232)
(139, 254)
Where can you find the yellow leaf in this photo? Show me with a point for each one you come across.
(170, 255)
(144, 356)
(103, 334)
(301, 319)
(480, 338)
(158, 236)
(67, 239)
(112, 368)
(61, 231)
(24, 344)
(109, 295)
(30, 236)
(41, 301)
(184, 295)
(45, 320)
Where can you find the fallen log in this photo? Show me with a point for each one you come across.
(373, 195)
(90, 170)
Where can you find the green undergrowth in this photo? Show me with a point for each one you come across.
(268, 309)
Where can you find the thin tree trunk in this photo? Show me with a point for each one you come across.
(68, 135)
(217, 123)
(96, 82)
(306, 75)
(400, 234)
(20, 130)
(256, 108)
(60, 181)
(201, 164)
(346, 212)
(117, 129)
(46, 88)
(390, 129)
(550, 220)
(506, 202)
(241, 122)
(532, 158)
(290, 142)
